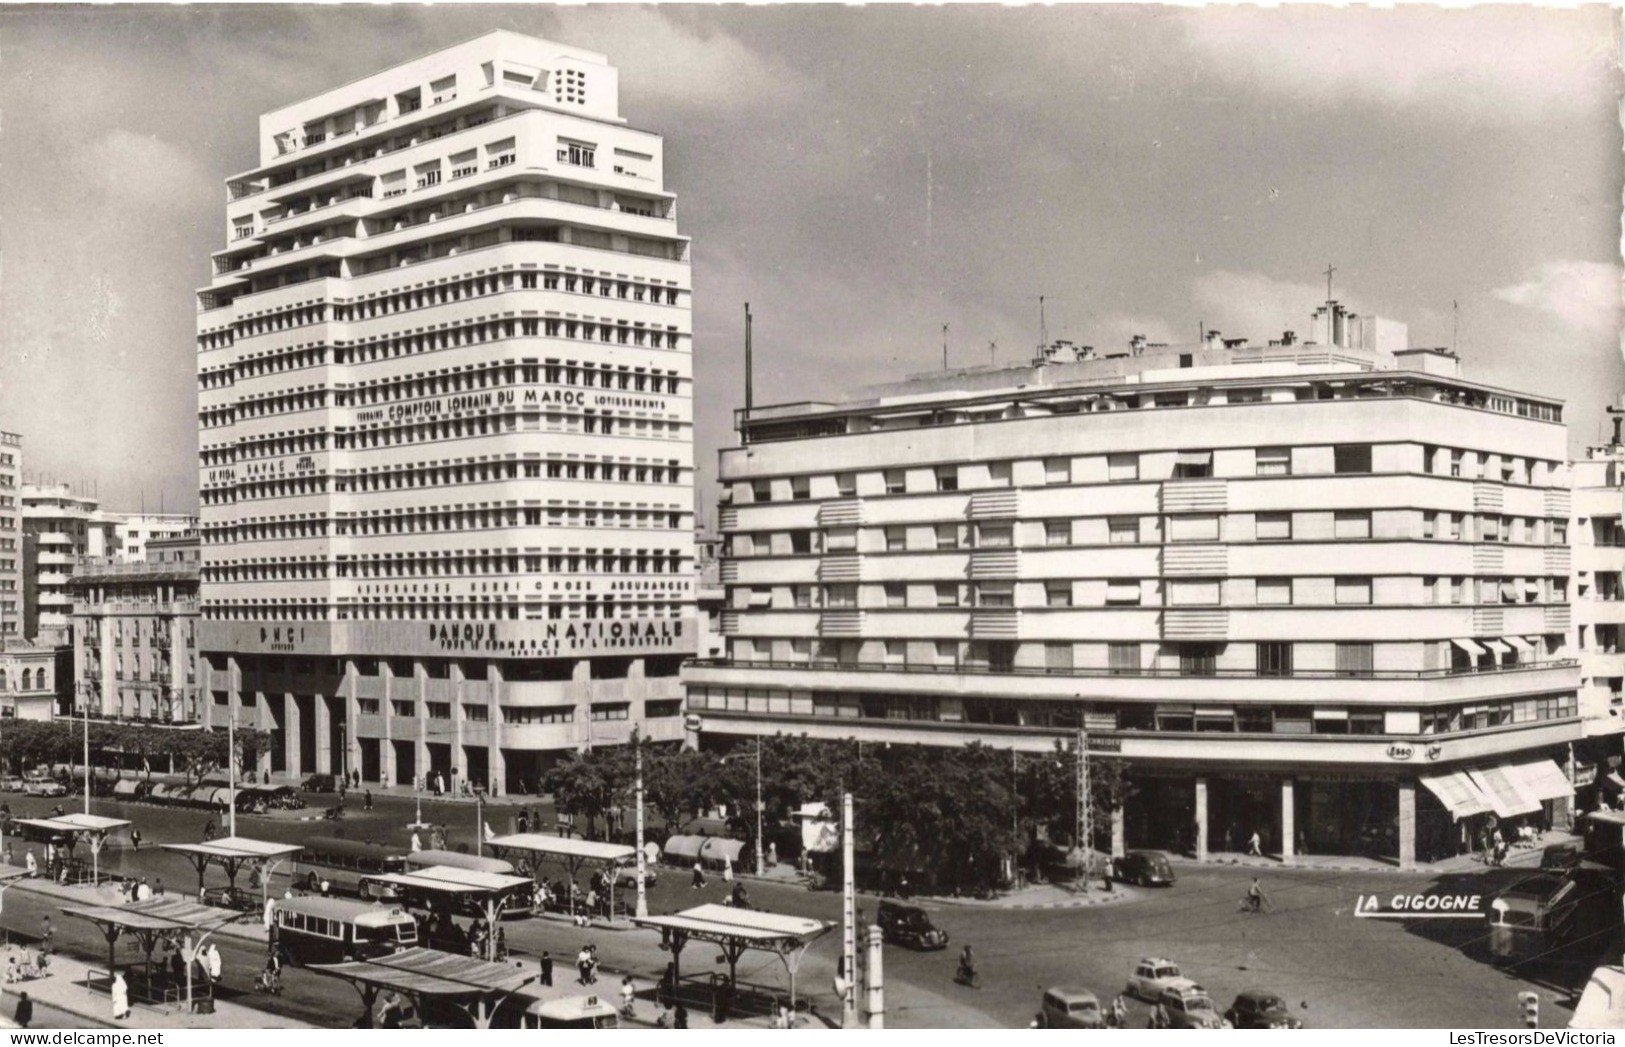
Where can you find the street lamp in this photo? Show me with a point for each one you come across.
(761, 865)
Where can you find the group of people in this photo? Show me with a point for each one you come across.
(140, 890)
(587, 965)
(23, 964)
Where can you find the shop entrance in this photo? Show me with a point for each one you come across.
(1237, 808)
(1348, 817)
(1160, 814)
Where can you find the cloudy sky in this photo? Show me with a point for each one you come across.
(863, 176)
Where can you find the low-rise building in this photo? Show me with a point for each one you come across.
(34, 680)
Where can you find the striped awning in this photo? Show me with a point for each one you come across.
(1469, 647)
(1458, 794)
(1504, 792)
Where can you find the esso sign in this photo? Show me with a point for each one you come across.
(693, 722)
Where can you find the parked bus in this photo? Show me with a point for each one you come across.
(1538, 914)
(519, 904)
(345, 864)
(332, 930)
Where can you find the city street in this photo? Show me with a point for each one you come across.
(1311, 950)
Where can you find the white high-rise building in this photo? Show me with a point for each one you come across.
(445, 430)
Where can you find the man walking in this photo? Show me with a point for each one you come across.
(547, 968)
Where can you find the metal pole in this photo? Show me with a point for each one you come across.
(876, 981)
(643, 901)
(87, 753)
(479, 826)
(849, 919)
(1086, 810)
(761, 863)
(231, 768)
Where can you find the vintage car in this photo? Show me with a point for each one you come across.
(1145, 868)
(1257, 1009)
(908, 925)
(1151, 976)
(1069, 1007)
(1188, 1006)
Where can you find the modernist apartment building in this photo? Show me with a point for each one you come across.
(444, 406)
(11, 537)
(60, 526)
(1318, 591)
(1599, 605)
(132, 532)
(135, 633)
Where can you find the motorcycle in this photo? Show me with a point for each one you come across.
(334, 813)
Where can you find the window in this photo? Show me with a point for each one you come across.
(1457, 590)
(800, 488)
(1123, 659)
(1057, 594)
(1352, 525)
(1455, 527)
(1057, 532)
(947, 478)
(1198, 659)
(896, 594)
(1353, 590)
(1351, 458)
(1430, 590)
(896, 539)
(894, 481)
(802, 595)
(947, 536)
(841, 539)
(1490, 530)
(1121, 467)
(1354, 659)
(1560, 533)
(1275, 659)
(846, 484)
(1057, 656)
(1124, 530)
(1193, 465)
(801, 541)
(998, 474)
(1275, 590)
(1196, 528)
(1274, 461)
(1430, 527)
(994, 536)
(1057, 470)
(947, 594)
(1123, 592)
(1455, 463)
(841, 595)
(1273, 527)
(996, 594)
(1193, 594)
(761, 491)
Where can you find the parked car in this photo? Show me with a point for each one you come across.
(626, 876)
(909, 925)
(1151, 976)
(1189, 1006)
(35, 786)
(11, 783)
(231, 898)
(1068, 1007)
(1257, 1009)
(1145, 868)
(320, 783)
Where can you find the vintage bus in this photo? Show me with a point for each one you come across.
(332, 930)
(345, 864)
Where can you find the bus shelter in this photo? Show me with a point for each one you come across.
(232, 853)
(447, 890)
(67, 830)
(737, 931)
(179, 920)
(569, 852)
(476, 987)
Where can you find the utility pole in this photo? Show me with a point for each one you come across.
(944, 347)
(231, 767)
(479, 823)
(87, 751)
(1086, 812)
(849, 920)
(643, 902)
(761, 863)
(876, 981)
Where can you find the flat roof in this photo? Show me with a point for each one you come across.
(75, 823)
(433, 973)
(236, 847)
(450, 879)
(744, 924)
(564, 846)
(156, 914)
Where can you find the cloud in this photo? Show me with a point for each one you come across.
(668, 61)
(1258, 307)
(143, 171)
(1502, 62)
(1584, 295)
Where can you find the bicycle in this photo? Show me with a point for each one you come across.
(968, 976)
(1255, 906)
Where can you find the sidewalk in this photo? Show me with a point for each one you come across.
(1520, 857)
(249, 929)
(64, 988)
(1047, 896)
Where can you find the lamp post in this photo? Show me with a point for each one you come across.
(479, 823)
(643, 901)
(761, 865)
(231, 768)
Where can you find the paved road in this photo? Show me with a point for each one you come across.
(1350, 972)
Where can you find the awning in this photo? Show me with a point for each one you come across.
(1458, 794)
(126, 787)
(1543, 780)
(1469, 647)
(1497, 646)
(721, 849)
(1506, 797)
(1531, 587)
(1331, 714)
(1509, 591)
(683, 847)
(1193, 458)
(1215, 712)
(1613, 781)
(1521, 644)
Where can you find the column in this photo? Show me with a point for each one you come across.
(1201, 819)
(386, 709)
(325, 764)
(290, 735)
(1289, 828)
(1407, 825)
(1119, 847)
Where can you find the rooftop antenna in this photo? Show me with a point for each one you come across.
(944, 347)
(1330, 269)
(1043, 328)
(993, 352)
(1455, 324)
(749, 375)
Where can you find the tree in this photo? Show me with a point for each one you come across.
(589, 784)
(1047, 793)
(680, 783)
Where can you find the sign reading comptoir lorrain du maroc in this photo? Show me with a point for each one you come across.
(570, 638)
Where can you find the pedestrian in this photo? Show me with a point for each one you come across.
(781, 1015)
(24, 1013)
(121, 997)
(177, 967)
(629, 993)
(584, 967)
(327, 885)
(727, 870)
(1254, 845)
(48, 936)
(592, 900)
(270, 909)
(143, 890)
(158, 887)
(366, 800)
(699, 876)
(522, 822)
(215, 965)
(32, 863)
(417, 844)
(547, 968)
(773, 855)
(679, 1021)
(592, 964)
(135, 838)
(356, 777)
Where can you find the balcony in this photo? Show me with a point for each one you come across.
(1195, 496)
(1196, 623)
(995, 623)
(1195, 560)
(840, 622)
(840, 567)
(998, 563)
(1004, 503)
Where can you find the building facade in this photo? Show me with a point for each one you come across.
(135, 634)
(1317, 591)
(445, 424)
(11, 537)
(132, 532)
(60, 527)
(35, 680)
(1599, 606)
